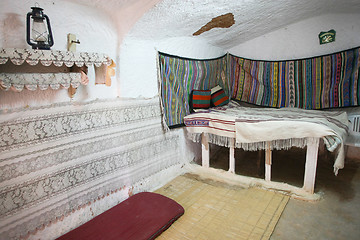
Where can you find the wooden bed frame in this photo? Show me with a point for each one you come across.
(253, 128)
(310, 165)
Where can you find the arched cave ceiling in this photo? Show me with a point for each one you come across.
(222, 23)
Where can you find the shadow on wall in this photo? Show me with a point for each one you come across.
(11, 99)
(13, 25)
(289, 166)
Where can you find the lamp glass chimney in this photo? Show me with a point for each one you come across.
(39, 31)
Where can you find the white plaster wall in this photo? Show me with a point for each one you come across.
(87, 212)
(301, 40)
(138, 61)
(137, 65)
(94, 29)
(138, 71)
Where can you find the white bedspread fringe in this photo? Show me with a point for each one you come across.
(279, 144)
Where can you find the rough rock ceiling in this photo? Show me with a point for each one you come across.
(253, 18)
(124, 13)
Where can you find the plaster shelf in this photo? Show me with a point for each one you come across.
(33, 81)
(33, 69)
(47, 57)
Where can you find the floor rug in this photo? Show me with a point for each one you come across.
(215, 210)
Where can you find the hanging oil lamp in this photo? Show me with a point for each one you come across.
(38, 29)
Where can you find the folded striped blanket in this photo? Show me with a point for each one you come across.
(284, 128)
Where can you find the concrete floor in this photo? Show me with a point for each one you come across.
(335, 216)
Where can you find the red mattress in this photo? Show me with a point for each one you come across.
(143, 216)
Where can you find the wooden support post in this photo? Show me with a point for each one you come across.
(232, 156)
(268, 162)
(205, 151)
(310, 165)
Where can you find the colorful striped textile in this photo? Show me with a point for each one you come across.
(314, 83)
(200, 99)
(218, 97)
(180, 76)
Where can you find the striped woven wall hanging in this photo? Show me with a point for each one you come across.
(180, 76)
(313, 83)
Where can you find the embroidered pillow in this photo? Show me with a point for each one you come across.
(218, 96)
(200, 99)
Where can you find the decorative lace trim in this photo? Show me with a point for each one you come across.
(68, 164)
(47, 57)
(36, 130)
(32, 81)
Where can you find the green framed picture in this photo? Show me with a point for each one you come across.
(327, 37)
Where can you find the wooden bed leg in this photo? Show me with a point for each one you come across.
(310, 165)
(232, 156)
(268, 162)
(205, 151)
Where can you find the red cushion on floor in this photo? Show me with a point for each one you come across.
(142, 216)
